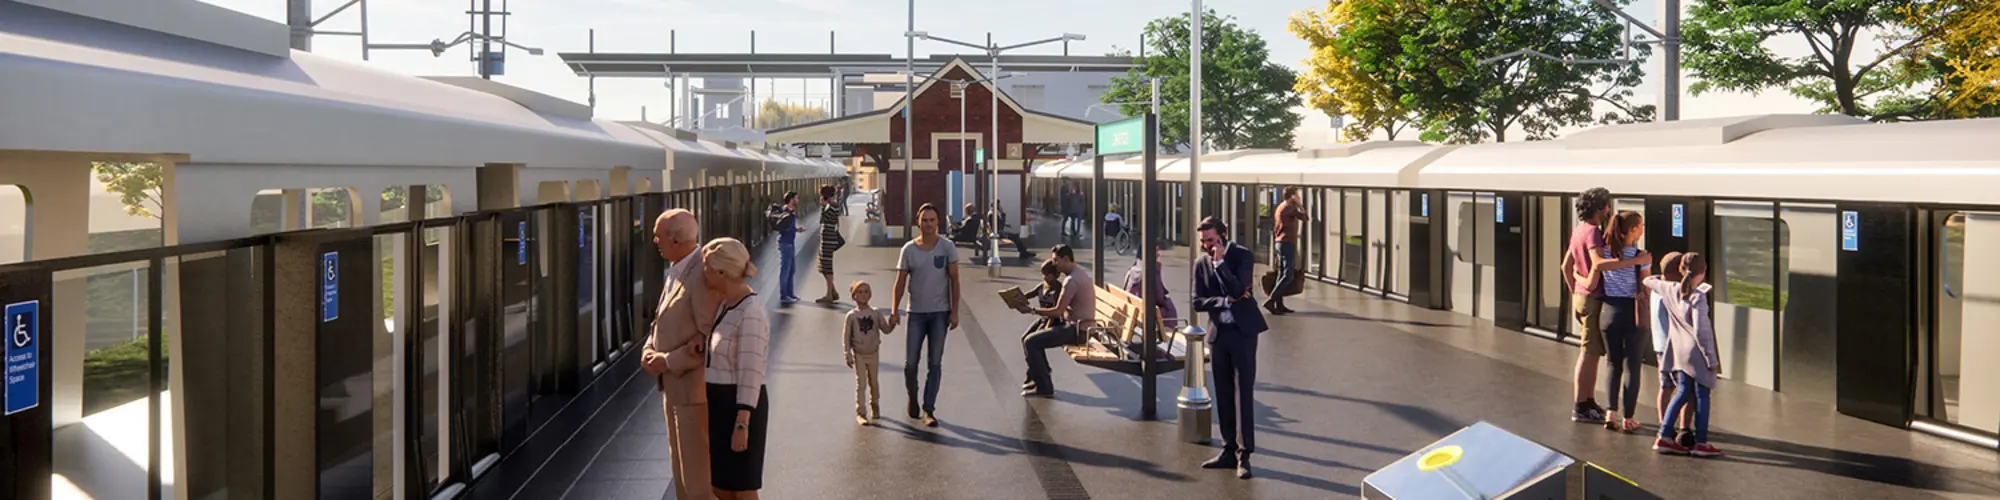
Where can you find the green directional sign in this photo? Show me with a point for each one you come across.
(979, 157)
(1123, 136)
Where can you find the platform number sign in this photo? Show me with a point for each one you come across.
(24, 385)
(1680, 213)
(329, 287)
(1850, 231)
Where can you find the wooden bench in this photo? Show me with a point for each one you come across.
(1109, 344)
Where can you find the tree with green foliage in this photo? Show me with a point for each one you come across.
(1335, 83)
(773, 114)
(137, 185)
(1246, 100)
(1429, 52)
(1726, 44)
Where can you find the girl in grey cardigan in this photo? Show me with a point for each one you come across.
(1691, 355)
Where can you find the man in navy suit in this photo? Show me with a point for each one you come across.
(1222, 288)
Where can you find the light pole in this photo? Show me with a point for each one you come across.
(993, 51)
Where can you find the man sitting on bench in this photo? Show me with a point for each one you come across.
(1075, 309)
(1020, 247)
(966, 231)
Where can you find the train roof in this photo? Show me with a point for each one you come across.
(1805, 157)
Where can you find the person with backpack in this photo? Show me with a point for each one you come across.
(786, 223)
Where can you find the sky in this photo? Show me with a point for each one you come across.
(802, 26)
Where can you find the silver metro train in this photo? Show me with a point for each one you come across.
(1853, 262)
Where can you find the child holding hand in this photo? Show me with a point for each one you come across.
(861, 344)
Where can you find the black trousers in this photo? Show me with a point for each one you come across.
(1235, 357)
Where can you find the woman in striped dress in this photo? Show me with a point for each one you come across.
(829, 237)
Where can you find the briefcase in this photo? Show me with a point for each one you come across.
(1297, 286)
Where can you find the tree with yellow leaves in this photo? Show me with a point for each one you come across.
(1965, 52)
(1334, 82)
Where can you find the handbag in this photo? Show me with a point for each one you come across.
(1270, 279)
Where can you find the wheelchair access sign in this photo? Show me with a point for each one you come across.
(23, 330)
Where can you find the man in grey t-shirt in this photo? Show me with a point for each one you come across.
(928, 270)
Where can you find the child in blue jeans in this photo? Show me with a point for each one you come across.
(1691, 356)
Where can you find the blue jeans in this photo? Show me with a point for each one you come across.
(1688, 388)
(1288, 257)
(925, 327)
(1037, 344)
(787, 261)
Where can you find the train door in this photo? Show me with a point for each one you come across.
(1470, 247)
(1806, 330)
(1353, 237)
(1426, 285)
(1546, 239)
(1957, 385)
(517, 318)
(1376, 219)
(1743, 269)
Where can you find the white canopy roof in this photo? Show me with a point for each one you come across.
(73, 83)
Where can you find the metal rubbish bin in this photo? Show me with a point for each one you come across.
(1194, 402)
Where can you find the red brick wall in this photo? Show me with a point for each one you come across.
(929, 189)
(935, 111)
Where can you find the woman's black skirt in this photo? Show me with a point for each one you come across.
(736, 470)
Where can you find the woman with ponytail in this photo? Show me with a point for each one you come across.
(1691, 354)
(1621, 319)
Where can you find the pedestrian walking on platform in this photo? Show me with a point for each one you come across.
(1291, 214)
(788, 251)
(861, 344)
(1223, 288)
(830, 239)
(676, 351)
(927, 269)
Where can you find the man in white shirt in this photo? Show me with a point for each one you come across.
(674, 351)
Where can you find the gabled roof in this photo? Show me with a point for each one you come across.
(937, 77)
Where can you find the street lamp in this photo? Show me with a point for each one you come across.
(993, 52)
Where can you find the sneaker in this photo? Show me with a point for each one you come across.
(1587, 414)
(1667, 447)
(1685, 438)
(1705, 450)
(1038, 393)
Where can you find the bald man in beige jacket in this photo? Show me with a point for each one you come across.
(674, 352)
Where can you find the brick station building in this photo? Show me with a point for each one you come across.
(941, 147)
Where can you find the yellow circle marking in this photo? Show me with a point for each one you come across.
(1438, 458)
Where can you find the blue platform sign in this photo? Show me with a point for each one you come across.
(329, 287)
(1850, 231)
(1499, 210)
(1427, 204)
(521, 245)
(1680, 212)
(24, 383)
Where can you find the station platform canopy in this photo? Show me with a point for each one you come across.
(659, 65)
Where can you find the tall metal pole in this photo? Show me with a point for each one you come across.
(298, 17)
(1149, 283)
(993, 162)
(909, 103)
(1670, 97)
(1194, 141)
(486, 42)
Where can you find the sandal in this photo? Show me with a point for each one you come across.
(1631, 426)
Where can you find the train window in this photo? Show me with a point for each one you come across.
(1751, 258)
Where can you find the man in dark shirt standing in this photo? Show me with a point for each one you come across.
(1291, 213)
(1222, 288)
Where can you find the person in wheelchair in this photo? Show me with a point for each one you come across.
(1114, 224)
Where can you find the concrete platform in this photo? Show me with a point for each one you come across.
(1345, 387)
